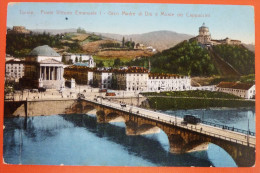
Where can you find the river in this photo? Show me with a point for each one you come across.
(80, 140)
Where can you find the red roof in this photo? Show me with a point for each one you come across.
(235, 85)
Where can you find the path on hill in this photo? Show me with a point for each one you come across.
(224, 68)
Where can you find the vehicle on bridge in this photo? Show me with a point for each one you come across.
(122, 105)
(81, 96)
(191, 119)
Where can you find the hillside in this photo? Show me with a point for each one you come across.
(188, 58)
(239, 57)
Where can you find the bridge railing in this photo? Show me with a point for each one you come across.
(183, 126)
(229, 128)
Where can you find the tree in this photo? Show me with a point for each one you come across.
(80, 59)
(100, 64)
(123, 42)
(117, 62)
(63, 59)
(81, 30)
(70, 61)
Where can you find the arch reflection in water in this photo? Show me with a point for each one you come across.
(80, 140)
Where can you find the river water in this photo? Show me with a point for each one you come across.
(80, 140)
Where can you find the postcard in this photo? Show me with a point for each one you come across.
(129, 86)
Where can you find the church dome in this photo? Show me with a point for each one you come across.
(44, 50)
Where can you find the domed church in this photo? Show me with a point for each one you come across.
(43, 68)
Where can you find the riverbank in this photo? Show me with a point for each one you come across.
(175, 103)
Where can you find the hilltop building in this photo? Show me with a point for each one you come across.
(239, 89)
(19, 30)
(80, 59)
(168, 82)
(204, 38)
(14, 70)
(43, 68)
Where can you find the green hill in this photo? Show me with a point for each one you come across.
(188, 58)
(238, 56)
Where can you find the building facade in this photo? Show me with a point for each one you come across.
(14, 70)
(243, 90)
(43, 68)
(80, 59)
(81, 74)
(132, 79)
(168, 82)
(102, 78)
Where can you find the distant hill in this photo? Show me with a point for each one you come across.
(250, 47)
(160, 40)
(54, 31)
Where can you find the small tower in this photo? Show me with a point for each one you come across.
(204, 36)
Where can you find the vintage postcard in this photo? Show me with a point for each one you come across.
(129, 85)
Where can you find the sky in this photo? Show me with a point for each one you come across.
(233, 21)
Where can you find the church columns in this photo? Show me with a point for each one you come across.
(51, 73)
(44, 73)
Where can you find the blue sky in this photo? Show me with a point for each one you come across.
(233, 21)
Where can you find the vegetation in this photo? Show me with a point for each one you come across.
(110, 45)
(194, 103)
(110, 62)
(81, 30)
(244, 79)
(202, 94)
(20, 45)
(238, 56)
(186, 58)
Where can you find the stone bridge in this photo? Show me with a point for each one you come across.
(182, 138)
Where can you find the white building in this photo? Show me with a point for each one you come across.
(14, 70)
(239, 89)
(43, 69)
(79, 59)
(132, 79)
(205, 88)
(168, 82)
(102, 78)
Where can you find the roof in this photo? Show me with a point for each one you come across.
(131, 70)
(14, 62)
(50, 61)
(163, 75)
(44, 50)
(235, 85)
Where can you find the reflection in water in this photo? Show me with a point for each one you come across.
(80, 140)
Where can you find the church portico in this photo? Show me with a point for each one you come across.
(46, 64)
(51, 74)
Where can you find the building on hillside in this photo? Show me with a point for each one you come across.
(81, 74)
(80, 59)
(14, 70)
(243, 90)
(204, 38)
(43, 68)
(139, 46)
(132, 79)
(102, 78)
(19, 30)
(168, 82)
